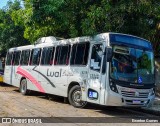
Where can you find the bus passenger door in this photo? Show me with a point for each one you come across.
(8, 69)
(96, 75)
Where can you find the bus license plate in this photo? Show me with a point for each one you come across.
(136, 102)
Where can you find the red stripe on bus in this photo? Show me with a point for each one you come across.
(31, 78)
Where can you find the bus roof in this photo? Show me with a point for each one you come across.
(51, 40)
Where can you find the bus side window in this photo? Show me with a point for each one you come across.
(96, 57)
(25, 57)
(47, 56)
(9, 58)
(79, 55)
(16, 57)
(62, 55)
(35, 58)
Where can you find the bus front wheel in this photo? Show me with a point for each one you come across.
(23, 87)
(74, 97)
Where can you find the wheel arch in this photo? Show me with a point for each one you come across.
(71, 85)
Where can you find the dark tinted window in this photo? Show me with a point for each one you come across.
(16, 57)
(79, 54)
(62, 55)
(47, 56)
(9, 59)
(35, 58)
(25, 57)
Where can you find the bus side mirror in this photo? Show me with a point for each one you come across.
(108, 53)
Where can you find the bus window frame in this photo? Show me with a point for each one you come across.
(70, 47)
(14, 57)
(10, 60)
(31, 56)
(28, 57)
(53, 53)
(102, 58)
(72, 65)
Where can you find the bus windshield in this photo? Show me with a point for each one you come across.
(132, 65)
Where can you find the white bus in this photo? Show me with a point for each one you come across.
(109, 69)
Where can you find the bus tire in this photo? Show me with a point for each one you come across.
(23, 87)
(74, 97)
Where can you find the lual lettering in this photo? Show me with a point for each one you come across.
(54, 74)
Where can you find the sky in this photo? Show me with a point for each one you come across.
(3, 3)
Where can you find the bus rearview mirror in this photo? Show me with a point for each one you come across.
(109, 53)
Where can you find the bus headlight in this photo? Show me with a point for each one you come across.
(113, 87)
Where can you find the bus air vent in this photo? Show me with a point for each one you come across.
(49, 39)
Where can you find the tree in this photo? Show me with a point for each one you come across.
(11, 35)
(71, 18)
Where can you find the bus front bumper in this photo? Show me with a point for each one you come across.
(115, 99)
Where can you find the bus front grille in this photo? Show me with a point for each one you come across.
(135, 94)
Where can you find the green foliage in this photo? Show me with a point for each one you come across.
(71, 18)
(11, 35)
(144, 62)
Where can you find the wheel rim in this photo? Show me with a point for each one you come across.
(76, 97)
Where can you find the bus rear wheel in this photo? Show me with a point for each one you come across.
(23, 87)
(74, 97)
